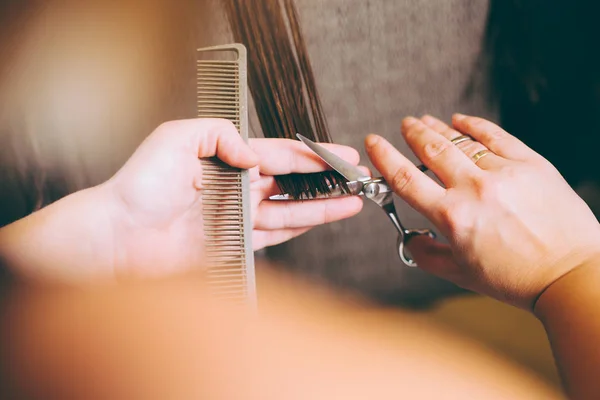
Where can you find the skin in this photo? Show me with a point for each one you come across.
(507, 240)
(147, 219)
(516, 231)
(167, 339)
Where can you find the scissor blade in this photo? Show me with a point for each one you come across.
(347, 170)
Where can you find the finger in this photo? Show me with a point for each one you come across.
(447, 162)
(434, 257)
(494, 138)
(416, 188)
(274, 215)
(285, 156)
(213, 137)
(267, 185)
(469, 147)
(254, 175)
(261, 239)
(365, 170)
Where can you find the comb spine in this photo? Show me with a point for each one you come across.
(246, 200)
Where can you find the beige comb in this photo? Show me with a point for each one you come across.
(222, 93)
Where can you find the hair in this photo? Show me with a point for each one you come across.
(543, 72)
(540, 59)
(76, 98)
(282, 83)
(25, 185)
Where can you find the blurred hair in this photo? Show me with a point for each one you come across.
(82, 83)
(543, 72)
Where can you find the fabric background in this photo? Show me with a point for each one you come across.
(376, 62)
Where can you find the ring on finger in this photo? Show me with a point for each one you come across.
(455, 141)
(460, 139)
(479, 155)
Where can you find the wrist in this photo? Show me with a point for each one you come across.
(68, 240)
(569, 287)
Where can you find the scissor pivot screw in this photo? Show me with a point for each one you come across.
(371, 190)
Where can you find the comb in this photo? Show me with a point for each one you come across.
(222, 93)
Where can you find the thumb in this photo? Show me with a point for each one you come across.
(215, 137)
(220, 138)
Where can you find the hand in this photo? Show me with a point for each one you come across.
(160, 191)
(278, 221)
(513, 223)
(147, 219)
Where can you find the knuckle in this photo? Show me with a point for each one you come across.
(456, 217)
(294, 162)
(415, 129)
(218, 121)
(448, 213)
(487, 128)
(167, 126)
(474, 122)
(497, 133)
(511, 172)
(288, 216)
(435, 149)
(494, 138)
(401, 180)
(486, 186)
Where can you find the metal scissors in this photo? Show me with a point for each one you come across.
(375, 189)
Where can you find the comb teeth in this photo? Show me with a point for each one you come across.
(222, 93)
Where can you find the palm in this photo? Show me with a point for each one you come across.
(159, 192)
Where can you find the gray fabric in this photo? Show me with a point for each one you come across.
(375, 62)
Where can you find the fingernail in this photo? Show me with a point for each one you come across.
(372, 140)
(459, 117)
(365, 170)
(408, 121)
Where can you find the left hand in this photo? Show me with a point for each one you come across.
(160, 190)
(278, 221)
(147, 219)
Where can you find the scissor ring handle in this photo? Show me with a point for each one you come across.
(404, 238)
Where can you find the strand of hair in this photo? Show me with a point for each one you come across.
(282, 83)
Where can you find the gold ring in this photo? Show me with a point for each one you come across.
(460, 139)
(479, 155)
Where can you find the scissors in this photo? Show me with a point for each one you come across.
(375, 189)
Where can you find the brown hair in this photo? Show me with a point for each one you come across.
(83, 83)
(281, 81)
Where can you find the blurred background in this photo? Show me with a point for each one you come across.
(82, 82)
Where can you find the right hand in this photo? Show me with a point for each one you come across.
(513, 223)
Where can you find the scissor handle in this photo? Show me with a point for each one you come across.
(404, 237)
(380, 192)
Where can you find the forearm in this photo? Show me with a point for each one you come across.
(570, 312)
(65, 240)
(178, 334)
